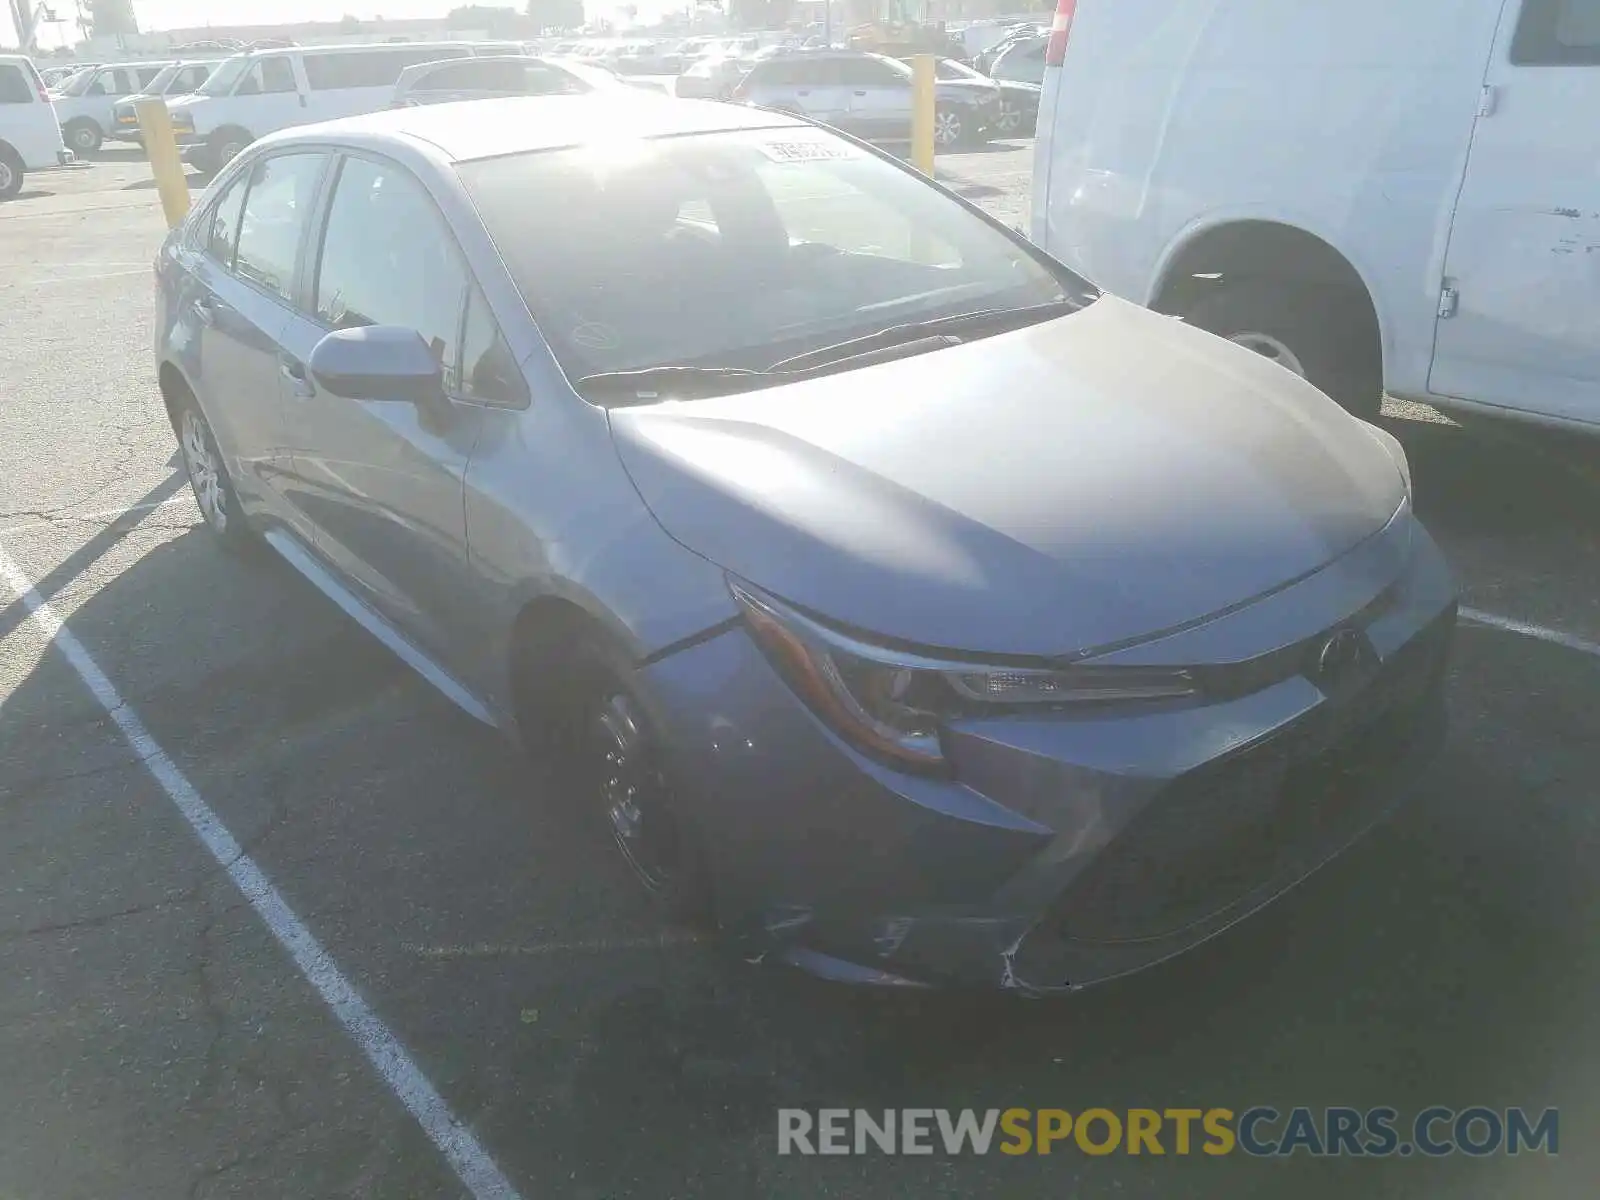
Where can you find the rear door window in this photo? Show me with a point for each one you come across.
(145, 76)
(282, 189)
(14, 86)
(869, 72)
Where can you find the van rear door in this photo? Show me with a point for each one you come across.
(1520, 316)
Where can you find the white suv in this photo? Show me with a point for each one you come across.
(1394, 194)
(30, 139)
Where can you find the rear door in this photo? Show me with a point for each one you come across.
(381, 481)
(818, 89)
(239, 293)
(879, 98)
(1523, 265)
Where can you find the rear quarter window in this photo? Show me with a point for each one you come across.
(1557, 33)
(15, 87)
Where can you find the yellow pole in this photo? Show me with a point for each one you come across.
(161, 147)
(922, 109)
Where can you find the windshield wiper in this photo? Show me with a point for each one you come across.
(650, 384)
(949, 330)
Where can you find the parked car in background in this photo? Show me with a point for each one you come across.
(86, 103)
(869, 95)
(55, 76)
(262, 91)
(176, 79)
(713, 76)
(895, 601)
(1018, 110)
(984, 59)
(30, 135)
(1022, 61)
(1377, 196)
(494, 76)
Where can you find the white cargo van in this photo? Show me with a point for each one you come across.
(30, 139)
(257, 93)
(86, 104)
(1377, 193)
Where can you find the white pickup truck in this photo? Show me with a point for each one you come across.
(1399, 194)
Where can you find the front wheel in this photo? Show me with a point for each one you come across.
(611, 756)
(223, 147)
(1326, 336)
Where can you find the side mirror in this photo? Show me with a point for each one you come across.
(378, 362)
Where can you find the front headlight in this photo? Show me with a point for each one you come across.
(892, 703)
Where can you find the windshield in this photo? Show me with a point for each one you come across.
(225, 76)
(738, 249)
(77, 84)
(164, 77)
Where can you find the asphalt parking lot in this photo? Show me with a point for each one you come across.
(157, 1040)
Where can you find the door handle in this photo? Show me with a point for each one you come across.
(205, 308)
(861, 93)
(299, 378)
(802, 91)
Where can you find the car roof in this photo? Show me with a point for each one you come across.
(523, 124)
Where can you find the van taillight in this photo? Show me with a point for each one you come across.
(1055, 50)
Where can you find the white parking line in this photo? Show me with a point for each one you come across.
(388, 1056)
(1540, 632)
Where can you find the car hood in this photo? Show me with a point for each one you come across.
(1099, 478)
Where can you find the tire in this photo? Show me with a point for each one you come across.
(223, 146)
(209, 480)
(82, 136)
(1009, 120)
(12, 171)
(591, 722)
(1326, 335)
(950, 129)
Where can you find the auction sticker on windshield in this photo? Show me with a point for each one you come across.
(808, 151)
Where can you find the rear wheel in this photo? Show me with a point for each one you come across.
(82, 136)
(209, 480)
(1009, 119)
(1325, 335)
(11, 173)
(949, 128)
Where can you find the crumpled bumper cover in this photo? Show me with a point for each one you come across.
(1063, 853)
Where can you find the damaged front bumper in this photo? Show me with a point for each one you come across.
(1063, 851)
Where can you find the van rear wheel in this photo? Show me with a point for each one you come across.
(82, 136)
(223, 146)
(1326, 335)
(11, 173)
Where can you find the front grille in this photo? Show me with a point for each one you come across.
(1266, 813)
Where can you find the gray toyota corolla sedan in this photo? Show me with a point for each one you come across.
(891, 597)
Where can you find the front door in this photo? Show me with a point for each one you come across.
(1524, 257)
(381, 480)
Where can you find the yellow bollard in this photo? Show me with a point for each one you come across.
(161, 147)
(922, 111)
